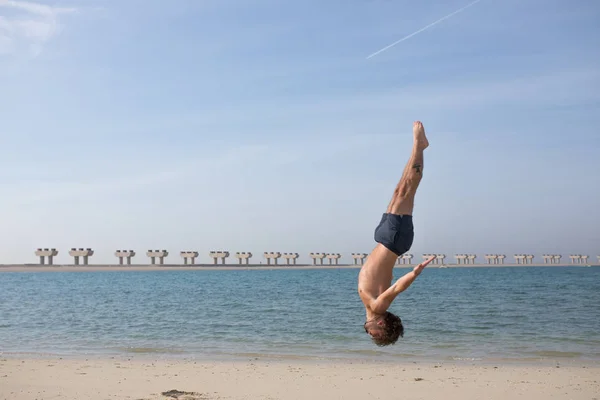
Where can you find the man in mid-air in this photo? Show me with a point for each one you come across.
(394, 236)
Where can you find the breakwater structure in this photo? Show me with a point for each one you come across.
(218, 255)
(160, 254)
(524, 258)
(405, 259)
(465, 259)
(272, 257)
(495, 259)
(579, 259)
(317, 258)
(81, 252)
(81, 256)
(359, 258)
(551, 258)
(333, 258)
(189, 257)
(290, 258)
(125, 255)
(438, 260)
(43, 253)
(243, 257)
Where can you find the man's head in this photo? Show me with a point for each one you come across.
(385, 329)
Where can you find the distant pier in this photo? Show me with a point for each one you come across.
(81, 252)
(154, 254)
(125, 255)
(81, 257)
(49, 253)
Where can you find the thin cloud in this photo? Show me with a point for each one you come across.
(36, 8)
(32, 28)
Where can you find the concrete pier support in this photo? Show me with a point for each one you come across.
(439, 258)
(551, 258)
(405, 259)
(43, 253)
(491, 258)
(219, 254)
(317, 258)
(81, 252)
(189, 256)
(359, 258)
(272, 257)
(578, 259)
(461, 258)
(124, 254)
(523, 259)
(333, 258)
(154, 254)
(290, 258)
(495, 259)
(243, 257)
(465, 258)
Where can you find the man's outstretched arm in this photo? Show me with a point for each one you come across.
(382, 303)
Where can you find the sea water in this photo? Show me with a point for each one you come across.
(509, 313)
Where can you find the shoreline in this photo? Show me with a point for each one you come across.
(152, 379)
(234, 267)
(224, 358)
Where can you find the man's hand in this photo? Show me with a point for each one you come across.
(381, 304)
(417, 269)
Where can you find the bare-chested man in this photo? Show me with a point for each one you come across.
(394, 236)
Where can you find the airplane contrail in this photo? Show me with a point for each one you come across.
(427, 27)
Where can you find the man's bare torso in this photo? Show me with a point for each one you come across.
(375, 276)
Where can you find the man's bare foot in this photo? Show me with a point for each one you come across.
(419, 135)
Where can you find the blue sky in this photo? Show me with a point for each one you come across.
(262, 126)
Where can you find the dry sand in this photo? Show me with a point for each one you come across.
(105, 379)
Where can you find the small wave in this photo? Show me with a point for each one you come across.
(366, 352)
(467, 358)
(556, 353)
(445, 346)
(148, 350)
(275, 356)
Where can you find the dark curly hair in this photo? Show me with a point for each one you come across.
(392, 330)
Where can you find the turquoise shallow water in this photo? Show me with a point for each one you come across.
(449, 314)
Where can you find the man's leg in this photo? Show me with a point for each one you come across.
(394, 233)
(403, 200)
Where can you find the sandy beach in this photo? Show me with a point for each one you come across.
(145, 379)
